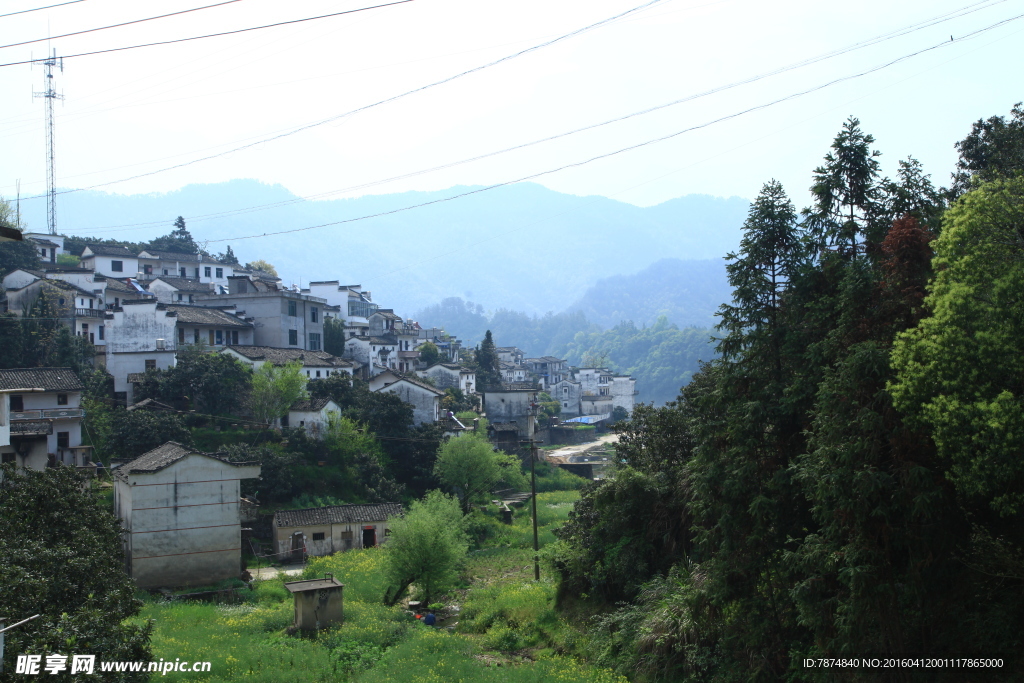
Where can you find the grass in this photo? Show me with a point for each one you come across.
(506, 632)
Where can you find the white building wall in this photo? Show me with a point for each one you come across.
(103, 265)
(132, 339)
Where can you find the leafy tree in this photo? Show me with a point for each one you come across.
(212, 383)
(457, 402)
(429, 353)
(261, 265)
(274, 388)
(278, 481)
(334, 336)
(371, 474)
(958, 371)
(69, 569)
(135, 432)
(994, 148)
(228, 256)
(427, 548)
(471, 467)
(178, 240)
(549, 407)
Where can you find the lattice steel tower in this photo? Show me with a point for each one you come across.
(50, 93)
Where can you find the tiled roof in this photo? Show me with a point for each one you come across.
(114, 285)
(47, 379)
(504, 426)
(109, 250)
(512, 386)
(310, 405)
(410, 380)
(277, 356)
(185, 284)
(337, 514)
(163, 456)
(170, 256)
(387, 314)
(200, 315)
(375, 340)
(31, 428)
(42, 242)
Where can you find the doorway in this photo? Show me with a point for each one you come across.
(369, 537)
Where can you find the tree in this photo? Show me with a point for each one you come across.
(14, 255)
(427, 548)
(994, 148)
(278, 481)
(68, 260)
(261, 265)
(471, 467)
(228, 256)
(212, 383)
(429, 354)
(334, 336)
(848, 198)
(275, 388)
(69, 569)
(135, 432)
(958, 371)
(178, 240)
(488, 368)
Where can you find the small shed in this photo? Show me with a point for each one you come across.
(318, 602)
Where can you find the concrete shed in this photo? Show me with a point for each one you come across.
(318, 602)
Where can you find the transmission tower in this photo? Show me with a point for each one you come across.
(50, 93)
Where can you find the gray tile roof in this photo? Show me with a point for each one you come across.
(380, 341)
(185, 284)
(164, 456)
(42, 242)
(277, 356)
(170, 256)
(337, 514)
(110, 250)
(48, 379)
(114, 285)
(310, 405)
(200, 315)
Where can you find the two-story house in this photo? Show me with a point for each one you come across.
(375, 354)
(281, 318)
(211, 326)
(548, 370)
(452, 375)
(425, 399)
(48, 246)
(109, 260)
(141, 336)
(198, 267)
(169, 289)
(512, 403)
(43, 415)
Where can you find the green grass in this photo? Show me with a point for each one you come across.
(506, 622)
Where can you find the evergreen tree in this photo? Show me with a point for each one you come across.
(488, 368)
(228, 256)
(993, 149)
(178, 240)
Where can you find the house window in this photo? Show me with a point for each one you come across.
(313, 314)
(314, 341)
(318, 374)
(8, 457)
(234, 337)
(293, 337)
(61, 301)
(62, 399)
(565, 390)
(165, 271)
(148, 270)
(210, 336)
(63, 439)
(207, 270)
(318, 535)
(101, 333)
(565, 404)
(220, 338)
(220, 273)
(117, 266)
(292, 309)
(195, 336)
(182, 272)
(197, 273)
(151, 364)
(284, 420)
(17, 404)
(179, 296)
(181, 335)
(387, 532)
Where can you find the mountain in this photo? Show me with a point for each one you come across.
(521, 247)
(686, 292)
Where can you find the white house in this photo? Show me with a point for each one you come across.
(180, 511)
(209, 271)
(48, 246)
(141, 336)
(316, 364)
(512, 403)
(569, 393)
(211, 326)
(327, 530)
(109, 260)
(447, 375)
(372, 352)
(425, 399)
(169, 289)
(41, 409)
(312, 414)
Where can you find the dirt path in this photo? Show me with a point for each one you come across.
(580, 448)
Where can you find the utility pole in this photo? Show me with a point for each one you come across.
(533, 504)
(50, 93)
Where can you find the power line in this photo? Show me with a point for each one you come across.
(954, 14)
(380, 102)
(222, 33)
(127, 23)
(11, 14)
(634, 146)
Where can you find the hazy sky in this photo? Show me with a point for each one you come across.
(136, 111)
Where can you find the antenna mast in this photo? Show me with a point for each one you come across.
(50, 93)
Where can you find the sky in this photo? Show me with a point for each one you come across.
(136, 112)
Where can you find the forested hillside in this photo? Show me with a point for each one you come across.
(845, 480)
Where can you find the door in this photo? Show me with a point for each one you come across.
(369, 537)
(297, 546)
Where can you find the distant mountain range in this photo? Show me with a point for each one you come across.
(521, 247)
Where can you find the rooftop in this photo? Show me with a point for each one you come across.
(47, 379)
(312, 585)
(337, 514)
(310, 405)
(279, 356)
(200, 315)
(110, 250)
(163, 456)
(184, 284)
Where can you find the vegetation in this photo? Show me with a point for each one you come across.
(471, 468)
(274, 388)
(429, 353)
(61, 558)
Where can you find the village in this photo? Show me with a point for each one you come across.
(185, 519)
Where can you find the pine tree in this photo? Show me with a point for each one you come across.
(488, 368)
